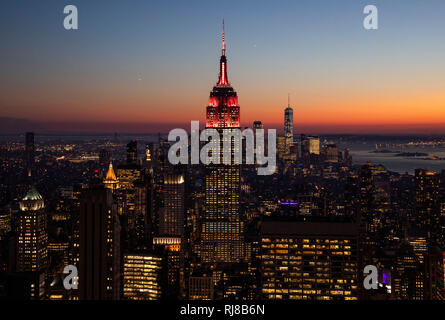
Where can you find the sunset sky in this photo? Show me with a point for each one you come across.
(146, 66)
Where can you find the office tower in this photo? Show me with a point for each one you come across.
(407, 276)
(32, 244)
(172, 214)
(310, 145)
(99, 265)
(5, 222)
(144, 211)
(128, 175)
(314, 145)
(288, 120)
(310, 260)
(289, 126)
(170, 249)
(330, 153)
(201, 288)
(142, 276)
(222, 227)
(351, 196)
(32, 234)
(29, 152)
(369, 218)
(132, 152)
(427, 190)
(110, 180)
(148, 158)
(347, 158)
(420, 246)
(435, 274)
(257, 125)
(426, 204)
(281, 146)
(367, 189)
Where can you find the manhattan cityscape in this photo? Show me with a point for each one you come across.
(98, 203)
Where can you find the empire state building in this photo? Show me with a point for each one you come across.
(222, 233)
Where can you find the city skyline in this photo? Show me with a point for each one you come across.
(118, 73)
(319, 226)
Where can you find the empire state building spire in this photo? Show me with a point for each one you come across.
(223, 108)
(223, 42)
(223, 81)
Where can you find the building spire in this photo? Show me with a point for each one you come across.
(111, 176)
(223, 41)
(223, 81)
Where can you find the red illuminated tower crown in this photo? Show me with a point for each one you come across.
(223, 109)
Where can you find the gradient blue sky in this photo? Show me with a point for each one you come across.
(156, 61)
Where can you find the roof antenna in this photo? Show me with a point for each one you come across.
(223, 41)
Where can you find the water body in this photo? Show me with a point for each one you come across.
(363, 152)
(399, 164)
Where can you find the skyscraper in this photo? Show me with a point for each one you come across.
(99, 272)
(32, 243)
(310, 145)
(172, 215)
(29, 152)
(128, 175)
(132, 152)
(32, 234)
(142, 276)
(426, 196)
(288, 120)
(309, 260)
(222, 227)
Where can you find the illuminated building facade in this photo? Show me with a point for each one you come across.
(172, 214)
(407, 275)
(308, 260)
(32, 234)
(128, 175)
(110, 180)
(5, 222)
(310, 145)
(435, 274)
(289, 126)
(330, 153)
(32, 243)
(222, 228)
(427, 186)
(142, 273)
(201, 288)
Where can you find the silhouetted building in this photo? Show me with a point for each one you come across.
(257, 125)
(99, 272)
(132, 152)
